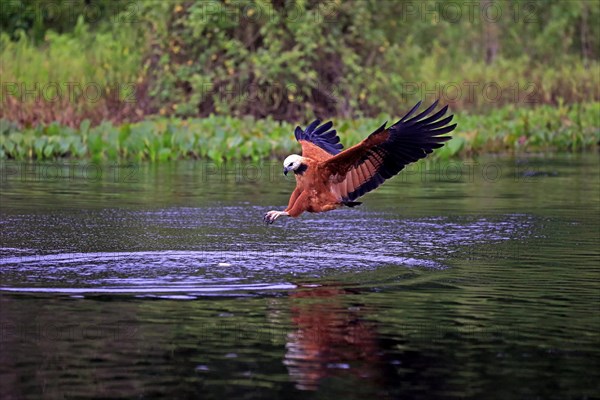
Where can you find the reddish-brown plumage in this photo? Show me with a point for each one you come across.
(312, 191)
(327, 179)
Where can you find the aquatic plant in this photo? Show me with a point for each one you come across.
(222, 138)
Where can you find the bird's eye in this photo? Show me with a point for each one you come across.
(290, 164)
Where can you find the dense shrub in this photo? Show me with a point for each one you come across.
(290, 59)
(295, 59)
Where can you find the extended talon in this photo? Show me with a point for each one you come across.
(267, 219)
(271, 216)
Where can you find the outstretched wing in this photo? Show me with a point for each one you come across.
(318, 142)
(385, 152)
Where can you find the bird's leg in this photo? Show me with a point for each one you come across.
(300, 200)
(271, 216)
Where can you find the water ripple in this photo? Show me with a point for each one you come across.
(197, 258)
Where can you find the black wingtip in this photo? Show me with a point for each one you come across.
(310, 128)
(427, 111)
(298, 133)
(411, 112)
(323, 128)
(380, 129)
(323, 136)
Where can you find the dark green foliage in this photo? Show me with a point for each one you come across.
(301, 59)
(36, 17)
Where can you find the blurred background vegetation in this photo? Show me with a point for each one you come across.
(108, 78)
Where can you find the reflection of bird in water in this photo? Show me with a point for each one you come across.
(331, 340)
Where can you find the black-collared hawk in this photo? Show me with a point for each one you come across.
(328, 178)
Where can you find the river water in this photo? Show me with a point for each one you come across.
(456, 279)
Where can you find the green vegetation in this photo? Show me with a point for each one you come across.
(81, 74)
(222, 138)
(122, 79)
(292, 59)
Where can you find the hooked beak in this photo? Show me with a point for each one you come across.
(285, 171)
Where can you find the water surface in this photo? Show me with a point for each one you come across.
(461, 279)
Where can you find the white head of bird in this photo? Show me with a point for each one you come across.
(292, 163)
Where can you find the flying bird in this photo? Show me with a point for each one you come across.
(328, 178)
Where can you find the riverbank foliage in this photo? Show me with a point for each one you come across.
(290, 60)
(140, 74)
(224, 138)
